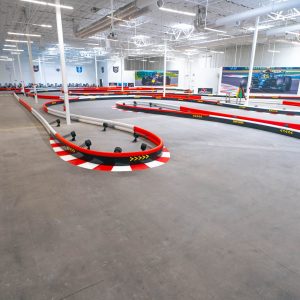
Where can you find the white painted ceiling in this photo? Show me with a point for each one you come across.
(144, 35)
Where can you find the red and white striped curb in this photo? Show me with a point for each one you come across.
(71, 159)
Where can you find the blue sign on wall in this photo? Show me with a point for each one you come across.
(79, 69)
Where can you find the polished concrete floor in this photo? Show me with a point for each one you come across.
(219, 221)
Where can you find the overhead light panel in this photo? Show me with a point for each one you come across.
(48, 4)
(214, 30)
(24, 34)
(261, 27)
(43, 25)
(293, 33)
(96, 38)
(217, 52)
(273, 51)
(17, 41)
(14, 50)
(175, 11)
(13, 46)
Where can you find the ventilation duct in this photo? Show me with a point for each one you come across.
(130, 11)
(256, 12)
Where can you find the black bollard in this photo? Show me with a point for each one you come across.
(136, 136)
(118, 150)
(143, 147)
(88, 144)
(105, 125)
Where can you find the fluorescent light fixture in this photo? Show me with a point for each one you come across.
(183, 26)
(24, 34)
(96, 38)
(197, 38)
(17, 41)
(214, 30)
(42, 25)
(14, 50)
(3, 56)
(13, 46)
(140, 37)
(5, 59)
(175, 11)
(294, 33)
(48, 4)
(273, 51)
(15, 53)
(261, 27)
(92, 44)
(217, 52)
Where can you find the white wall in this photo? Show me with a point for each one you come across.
(48, 72)
(240, 56)
(201, 70)
(196, 72)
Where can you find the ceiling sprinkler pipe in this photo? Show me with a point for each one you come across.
(258, 12)
(280, 30)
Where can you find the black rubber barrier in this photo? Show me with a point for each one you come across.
(238, 122)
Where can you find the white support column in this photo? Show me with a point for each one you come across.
(62, 60)
(252, 62)
(14, 69)
(31, 67)
(165, 70)
(21, 74)
(122, 81)
(41, 73)
(190, 72)
(96, 70)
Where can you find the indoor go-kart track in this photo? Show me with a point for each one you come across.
(220, 220)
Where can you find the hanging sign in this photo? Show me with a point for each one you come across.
(36, 68)
(116, 69)
(79, 69)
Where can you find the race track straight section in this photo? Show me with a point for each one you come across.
(219, 221)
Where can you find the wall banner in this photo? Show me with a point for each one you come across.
(272, 80)
(155, 78)
(79, 69)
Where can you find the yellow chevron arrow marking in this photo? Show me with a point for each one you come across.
(141, 157)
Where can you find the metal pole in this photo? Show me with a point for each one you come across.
(14, 69)
(165, 69)
(62, 61)
(41, 73)
(122, 83)
(96, 70)
(31, 67)
(21, 73)
(252, 61)
(44, 67)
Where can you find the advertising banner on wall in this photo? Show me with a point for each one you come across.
(155, 78)
(205, 91)
(272, 80)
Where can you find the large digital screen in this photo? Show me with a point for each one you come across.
(155, 78)
(275, 80)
